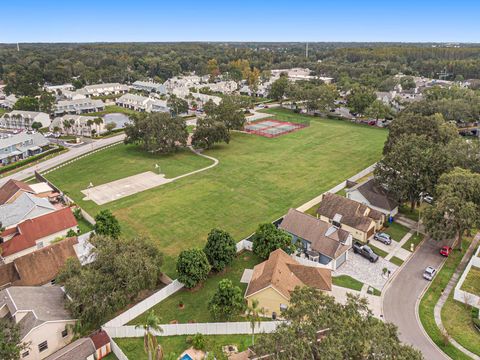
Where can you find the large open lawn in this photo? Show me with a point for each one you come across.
(257, 180)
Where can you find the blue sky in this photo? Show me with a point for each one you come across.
(241, 20)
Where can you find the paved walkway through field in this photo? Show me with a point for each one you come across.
(448, 289)
(114, 190)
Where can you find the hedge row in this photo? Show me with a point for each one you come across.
(29, 160)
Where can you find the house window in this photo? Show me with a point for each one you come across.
(64, 333)
(43, 346)
(25, 354)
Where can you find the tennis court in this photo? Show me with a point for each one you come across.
(272, 128)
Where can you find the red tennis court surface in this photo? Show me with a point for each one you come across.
(272, 128)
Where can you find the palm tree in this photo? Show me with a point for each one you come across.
(98, 121)
(254, 316)
(89, 124)
(150, 343)
(66, 125)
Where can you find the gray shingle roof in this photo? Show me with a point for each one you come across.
(26, 206)
(376, 195)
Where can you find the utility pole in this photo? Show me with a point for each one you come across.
(18, 47)
(306, 51)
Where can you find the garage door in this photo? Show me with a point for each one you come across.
(341, 259)
(370, 232)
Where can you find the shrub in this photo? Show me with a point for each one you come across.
(71, 233)
(198, 341)
(227, 301)
(192, 267)
(220, 249)
(268, 238)
(107, 224)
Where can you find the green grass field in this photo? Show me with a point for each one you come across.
(257, 180)
(396, 231)
(133, 347)
(472, 281)
(195, 302)
(347, 282)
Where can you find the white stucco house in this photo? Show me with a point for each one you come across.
(19, 119)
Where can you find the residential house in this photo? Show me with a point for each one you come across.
(12, 189)
(142, 103)
(321, 241)
(104, 89)
(224, 87)
(149, 86)
(78, 125)
(372, 194)
(36, 232)
(19, 119)
(199, 98)
(160, 106)
(273, 281)
(39, 267)
(73, 95)
(40, 313)
(358, 219)
(21, 146)
(79, 106)
(9, 102)
(187, 81)
(59, 88)
(81, 349)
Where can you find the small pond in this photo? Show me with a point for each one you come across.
(117, 118)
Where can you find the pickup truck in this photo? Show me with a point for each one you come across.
(365, 251)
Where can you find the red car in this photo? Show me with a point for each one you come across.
(445, 251)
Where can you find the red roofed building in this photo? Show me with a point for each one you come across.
(33, 234)
(101, 341)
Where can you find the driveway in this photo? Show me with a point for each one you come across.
(401, 295)
(363, 270)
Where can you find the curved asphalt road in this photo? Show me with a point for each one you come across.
(401, 295)
(57, 160)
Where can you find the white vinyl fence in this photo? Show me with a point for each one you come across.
(465, 296)
(117, 350)
(225, 328)
(144, 305)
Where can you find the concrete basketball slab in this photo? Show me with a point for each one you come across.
(118, 189)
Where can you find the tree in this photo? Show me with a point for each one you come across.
(98, 121)
(268, 238)
(46, 101)
(110, 126)
(227, 302)
(252, 76)
(411, 167)
(457, 206)
(67, 125)
(192, 267)
(36, 125)
(10, 342)
(177, 105)
(213, 69)
(107, 224)
(27, 103)
(150, 343)
(220, 249)
(71, 233)
(279, 88)
(343, 329)
(122, 269)
(360, 98)
(157, 132)
(407, 83)
(209, 132)
(229, 112)
(254, 316)
(378, 110)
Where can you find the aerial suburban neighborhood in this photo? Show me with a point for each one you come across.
(169, 190)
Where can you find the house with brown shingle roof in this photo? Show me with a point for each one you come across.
(273, 281)
(358, 219)
(321, 241)
(12, 189)
(372, 194)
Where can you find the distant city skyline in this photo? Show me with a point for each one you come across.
(289, 21)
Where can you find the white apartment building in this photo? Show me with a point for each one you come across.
(19, 119)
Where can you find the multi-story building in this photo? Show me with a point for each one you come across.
(78, 106)
(142, 103)
(9, 102)
(149, 86)
(21, 146)
(19, 119)
(104, 89)
(77, 125)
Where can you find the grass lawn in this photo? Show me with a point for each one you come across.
(114, 109)
(415, 239)
(84, 226)
(405, 210)
(133, 347)
(431, 297)
(457, 319)
(257, 180)
(396, 231)
(377, 250)
(397, 261)
(472, 281)
(196, 302)
(347, 282)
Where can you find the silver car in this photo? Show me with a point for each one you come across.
(383, 237)
(429, 273)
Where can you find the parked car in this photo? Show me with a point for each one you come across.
(429, 273)
(428, 199)
(445, 251)
(365, 251)
(383, 237)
